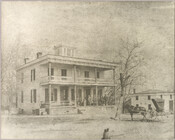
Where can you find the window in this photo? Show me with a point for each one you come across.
(161, 96)
(52, 71)
(33, 96)
(137, 97)
(68, 52)
(63, 72)
(78, 73)
(86, 74)
(22, 77)
(149, 97)
(98, 74)
(170, 96)
(65, 51)
(149, 106)
(22, 97)
(72, 94)
(137, 105)
(54, 95)
(46, 95)
(33, 75)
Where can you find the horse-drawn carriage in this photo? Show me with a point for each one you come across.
(150, 114)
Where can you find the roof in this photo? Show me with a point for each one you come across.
(151, 91)
(74, 60)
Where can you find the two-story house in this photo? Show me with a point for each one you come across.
(60, 80)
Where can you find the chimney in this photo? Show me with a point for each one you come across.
(39, 54)
(25, 60)
(134, 91)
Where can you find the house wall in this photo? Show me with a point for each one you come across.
(27, 86)
(144, 102)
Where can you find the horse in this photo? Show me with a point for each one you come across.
(135, 110)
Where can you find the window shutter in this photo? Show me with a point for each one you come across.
(31, 75)
(34, 95)
(31, 96)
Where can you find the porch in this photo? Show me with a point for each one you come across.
(72, 96)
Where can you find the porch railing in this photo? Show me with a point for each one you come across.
(65, 79)
(105, 81)
(86, 80)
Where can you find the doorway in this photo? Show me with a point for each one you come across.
(87, 96)
(171, 106)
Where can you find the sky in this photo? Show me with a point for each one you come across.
(95, 29)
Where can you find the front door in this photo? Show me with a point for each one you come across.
(64, 95)
(171, 106)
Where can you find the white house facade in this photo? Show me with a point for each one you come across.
(57, 81)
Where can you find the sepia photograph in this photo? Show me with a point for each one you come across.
(73, 70)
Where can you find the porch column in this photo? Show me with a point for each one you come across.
(75, 92)
(50, 71)
(69, 96)
(75, 74)
(114, 87)
(83, 95)
(50, 90)
(75, 87)
(96, 92)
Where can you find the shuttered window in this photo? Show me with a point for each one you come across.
(86, 74)
(63, 72)
(33, 96)
(33, 75)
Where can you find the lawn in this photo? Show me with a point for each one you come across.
(85, 127)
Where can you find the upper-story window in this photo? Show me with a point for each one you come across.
(78, 73)
(22, 97)
(63, 72)
(98, 74)
(22, 77)
(68, 52)
(86, 74)
(52, 71)
(33, 75)
(170, 96)
(161, 96)
(137, 97)
(149, 97)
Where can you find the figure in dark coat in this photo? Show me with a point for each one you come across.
(106, 135)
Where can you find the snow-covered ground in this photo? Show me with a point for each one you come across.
(85, 127)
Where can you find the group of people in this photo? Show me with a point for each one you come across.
(103, 100)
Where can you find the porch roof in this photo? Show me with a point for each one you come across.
(70, 61)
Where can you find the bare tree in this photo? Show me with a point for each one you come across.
(131, 75)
